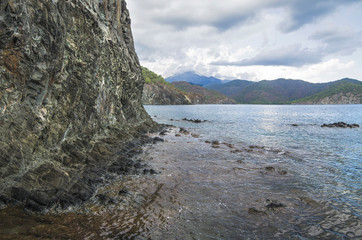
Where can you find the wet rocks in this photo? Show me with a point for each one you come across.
(229, 145)
(163, 132)
(215, 144)
(158, 139)
(255, 211)
(270, 168)
(273, 205)
(340, 125)
(184, 131)
(194, 120)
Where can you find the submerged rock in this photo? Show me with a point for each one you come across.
(70, 99)
(340, 125)
(194, 120)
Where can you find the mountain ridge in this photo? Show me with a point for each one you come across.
(278, 91)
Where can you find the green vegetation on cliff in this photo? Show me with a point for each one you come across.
(157, 91)
(342, 89)
(151, 77)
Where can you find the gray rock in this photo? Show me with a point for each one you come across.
(70, 97)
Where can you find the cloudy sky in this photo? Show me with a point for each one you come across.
(313, 40)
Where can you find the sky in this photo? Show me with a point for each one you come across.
(312, 40)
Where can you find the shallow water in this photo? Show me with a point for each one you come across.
(323, 164)
(266, 179)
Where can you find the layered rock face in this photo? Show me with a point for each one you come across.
(70, 97)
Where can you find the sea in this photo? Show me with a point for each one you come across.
(320, 185)
(240, 172)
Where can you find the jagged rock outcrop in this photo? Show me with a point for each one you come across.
(161, 94)
(70, 97)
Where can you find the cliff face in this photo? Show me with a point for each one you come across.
(161, 94)
(70, 97)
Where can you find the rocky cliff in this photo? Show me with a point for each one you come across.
(162, 94)
(339, 98)
(70, 98)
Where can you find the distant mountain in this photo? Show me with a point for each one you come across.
(201, 95)
(232, 88)
(200, 89)
(194, 78)
(277, 91)
(344, 91)
(285, 91)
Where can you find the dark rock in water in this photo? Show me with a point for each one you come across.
(255, 211)
(282, 172)
(215, 144)
(184, 131)
(269, 168)
(163, 133)
(194, 120)
(272, 205)
(229, 145)
(340, 125)
(158, 139)
(70, 99)
(295, 125)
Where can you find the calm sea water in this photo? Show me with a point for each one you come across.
(325, 163)
(267, 179)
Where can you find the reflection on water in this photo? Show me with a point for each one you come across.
(266, 179)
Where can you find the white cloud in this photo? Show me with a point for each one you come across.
(291, 39)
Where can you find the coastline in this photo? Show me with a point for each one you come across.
(146, 202)
(191, 188)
